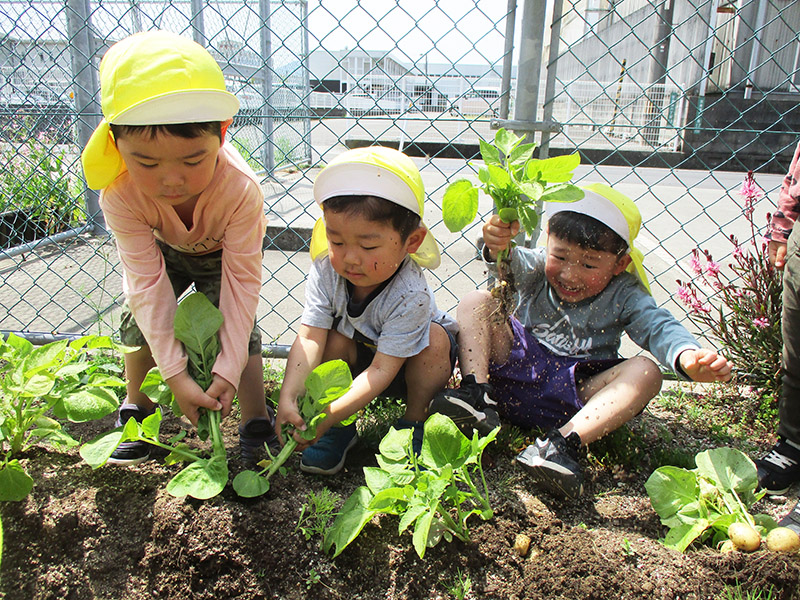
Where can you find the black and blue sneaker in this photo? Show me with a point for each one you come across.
(327, 456)
(553, 464)
(134, 452)
(254, 435)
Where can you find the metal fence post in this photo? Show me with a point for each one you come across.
(198, 24)
(530, 62)
(266, 84)
(85, 91)
(508, 52)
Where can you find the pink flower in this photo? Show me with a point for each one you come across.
(713, 267)
(751, 192)
(761, 322)
(695, 265)
(684, 294)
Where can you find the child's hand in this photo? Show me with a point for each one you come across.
(222, 390)
(776, 252)
(497, 234)
(191, 397)
(705, 365)
(287, 413)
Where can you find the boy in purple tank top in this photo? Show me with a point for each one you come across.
(554, 364)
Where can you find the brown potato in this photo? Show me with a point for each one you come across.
(744, 537)
(783, 539)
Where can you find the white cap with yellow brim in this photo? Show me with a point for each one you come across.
(380, 172)
(615, 210)
(153, 78)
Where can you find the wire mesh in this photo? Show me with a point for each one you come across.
(671, 102)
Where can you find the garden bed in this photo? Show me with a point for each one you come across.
(116, 533)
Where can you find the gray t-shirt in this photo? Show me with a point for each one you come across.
(593, 327)
(397, 320)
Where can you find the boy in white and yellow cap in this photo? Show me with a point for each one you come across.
(554, 364)
(184, 208)
(367, 301)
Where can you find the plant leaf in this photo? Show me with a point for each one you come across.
(671, 488)
(422, 530)
(349, 522)
(729, 468)
(15, 483)
(563, 193)
(679, 538)
(98, 451)
(395, 443)
(328, 381)
(202, 479)
(197, 320)
(249, 484)
(489, 153)
(556, 169)
(87, 404)
(459, 205)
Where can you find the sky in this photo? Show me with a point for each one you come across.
(447, 31)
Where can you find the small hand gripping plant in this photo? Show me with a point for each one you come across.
(517, 183)
(324, 384)
(433, 493)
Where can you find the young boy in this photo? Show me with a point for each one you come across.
(367, 301)
(184, 208)
(554, 364)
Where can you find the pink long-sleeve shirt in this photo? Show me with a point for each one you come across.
(229, 215)
(783, 219)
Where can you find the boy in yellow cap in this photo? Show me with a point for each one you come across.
(184, 208)
(554, 364)
(367, 301)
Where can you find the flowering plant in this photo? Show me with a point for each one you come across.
(742, 310)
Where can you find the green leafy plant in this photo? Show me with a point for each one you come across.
(460, 586)
(741, 309)
(517, 184)
(701, 504)
(434, 493)
(58, 379)
(323, 385)
(197, 322)
(316, 513)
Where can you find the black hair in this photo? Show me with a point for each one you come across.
(372, 208)
(183, 130)
(587, 232)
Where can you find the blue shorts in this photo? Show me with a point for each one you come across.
(537, 388)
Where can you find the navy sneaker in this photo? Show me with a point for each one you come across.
(134, 452)
(553, 463)
(416, 436)
(779, 469)
(792, 520)
(469, 406)
(327, 456)
(254, 435)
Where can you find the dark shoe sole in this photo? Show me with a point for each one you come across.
(133, 454)
(553, 477)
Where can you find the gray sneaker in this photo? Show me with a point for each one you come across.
(792, 520)
(553, 463)
(134, 452)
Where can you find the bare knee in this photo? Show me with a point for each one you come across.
(648, 373)
(476, 302)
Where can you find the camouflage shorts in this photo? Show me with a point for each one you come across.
(205, 271)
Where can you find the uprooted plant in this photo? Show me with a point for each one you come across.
(709, 504)
(197, 322)
(433, 493)
(61, 378)
(324, 384)
(517, 184)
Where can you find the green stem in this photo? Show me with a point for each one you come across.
(185, 454)
(460, 533)
(282, 457)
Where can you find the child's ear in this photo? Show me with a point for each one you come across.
(414, 241)
(622, 263)
(224, 129)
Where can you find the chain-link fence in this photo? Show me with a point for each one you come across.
(669, 101)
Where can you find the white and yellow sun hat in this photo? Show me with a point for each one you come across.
(374, 171)
(153, 78)
(617, 211)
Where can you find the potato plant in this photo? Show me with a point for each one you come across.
(197, 322)
(517, 183)
(710, 504)
(60, 380)
(433, 494)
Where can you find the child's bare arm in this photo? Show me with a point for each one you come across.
(497, 234)
(705, 365)
(190, 396)
(305, 354)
